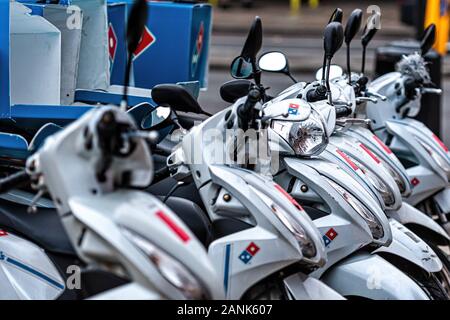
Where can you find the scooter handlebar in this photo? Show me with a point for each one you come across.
(15, 180)
(252, 99)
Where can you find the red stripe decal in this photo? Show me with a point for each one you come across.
(347, 159)
(439, 141)
(381, 143)
(370, 153)
(173, 226)
(289, 197)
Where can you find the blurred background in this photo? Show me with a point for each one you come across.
(295, 27)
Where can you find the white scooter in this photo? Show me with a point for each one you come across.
(263, 244)
(305, 188)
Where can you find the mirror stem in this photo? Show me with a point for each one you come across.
(348, 65)
(327, 81)
(324, 66)
(124, 102)
(363, 66)
(291, 77)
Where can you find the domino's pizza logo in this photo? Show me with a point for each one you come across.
(198, 49)
(247, 255)
(329, 236)
(293, 109)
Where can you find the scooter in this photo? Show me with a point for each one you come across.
(299, 184)
(264, 244)
(241, 67)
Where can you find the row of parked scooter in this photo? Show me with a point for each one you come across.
(329, 190)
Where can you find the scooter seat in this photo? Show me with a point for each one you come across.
(43, 228)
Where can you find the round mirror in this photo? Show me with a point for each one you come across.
(335, 72)
(241, 68)
(273, 62)
(156, 117)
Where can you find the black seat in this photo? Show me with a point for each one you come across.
(194, 217)
(43, 228)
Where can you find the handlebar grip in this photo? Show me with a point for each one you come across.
(252, 99)
(343, 111)
(15, 180)
(317, 94)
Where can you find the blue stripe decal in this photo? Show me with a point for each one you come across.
(35, 272)
(226, 267)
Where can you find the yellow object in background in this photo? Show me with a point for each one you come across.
(437, 13)
(295, 6)
(313, 4)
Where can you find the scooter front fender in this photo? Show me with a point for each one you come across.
(372, 277)
(408, 246)
(302, 287)
(442, 198)
(407, 214)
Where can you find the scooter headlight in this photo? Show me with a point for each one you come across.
(440, 161)
(306, 138)
(397, 178)
(379, 185)
(170, 269)
(292, 224)
(374, 225)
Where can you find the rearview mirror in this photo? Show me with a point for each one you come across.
(253, 43)
(428, 39)
(242, 68)
(335, 72)
(158, 118)
(336, 16)
(273, 62)
(232, 90)
(136, 24)
(353, 25)
(332, 39)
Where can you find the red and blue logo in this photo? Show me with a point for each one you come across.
(198, 49)
(293, 109)
(329, 236)
(247, 255)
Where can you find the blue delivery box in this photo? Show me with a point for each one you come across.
(173, 48)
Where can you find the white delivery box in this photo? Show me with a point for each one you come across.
(35, 61)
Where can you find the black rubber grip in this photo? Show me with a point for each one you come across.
(252, 99)
(343, 112)
(15, 180)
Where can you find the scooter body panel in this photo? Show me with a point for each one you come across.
(410, 247)
(372, 277)
(112, 214)
(408, 214)
(302, 287)
(427, 177)
(381, 151)
(344, 231)
(26, 272)
(358, 151)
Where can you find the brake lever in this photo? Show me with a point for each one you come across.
(376, 95)
(360, 100)
(353, 121)
(431, 91)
